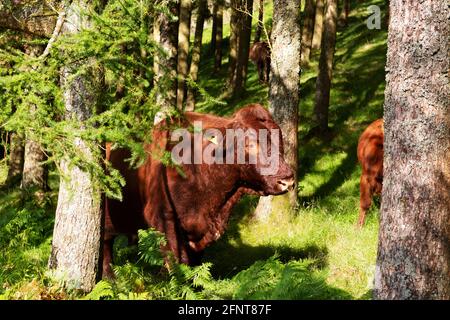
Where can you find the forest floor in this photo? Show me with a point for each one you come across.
(316, 252)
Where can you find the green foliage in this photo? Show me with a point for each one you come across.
(149, 278)
(25, 231)
(32, 97)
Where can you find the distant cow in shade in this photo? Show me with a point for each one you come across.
(191, 204)
(370, 156)
(260, 55)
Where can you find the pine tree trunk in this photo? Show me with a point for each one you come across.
(35, 18)
(323, 83)
(16, 158)
(345, 11)
(284, 94)
(196, 53)
(307, 32)
(165, 66)
(244, 47)
(318, 25)
(184, 28)
(259, 27)
(214, 26)
(414, 250)
(218, 36)
(76, 236)
(34, 174)
(234, 45)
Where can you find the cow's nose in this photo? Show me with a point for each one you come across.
(286, 184)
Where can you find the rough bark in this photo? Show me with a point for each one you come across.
(414, 239)
(29, 16)
(307, 31)
(318, 25)
(165, 65)
(218, 36)
(284, 94)
(244, 47)
(323, 83)
(184, 28)
(259, 27)
(16, 158)
(76, 236)
(196, 53)
(34, 171)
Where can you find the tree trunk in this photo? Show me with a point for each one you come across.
(245, 30)
(16, 158)
(307, 32)
(166, 35)
(259, 27)
(414, 250)
(284, 94)
(196, 53)
(218, 36)
(323, 83)
(214, 26)
(34, 174)
(318, 25)
(36, 18)
(234, 45)
(184, 28)
(345, 11)
(34, 171)
(76, 236)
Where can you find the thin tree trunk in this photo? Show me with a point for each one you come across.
(414, 249)
(284, 95)
(259, 27)
(184, 28)
(16, 158)
(165, 66)
(244, 47)
(76, 236)
(214, 26)
(234, 44)
(318, 25)
(218, 36)
(345, 11)
(34, 174)
(323, 83)
(307, 32)
(196, 53)
(34, 171)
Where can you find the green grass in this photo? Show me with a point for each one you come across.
(314, 252)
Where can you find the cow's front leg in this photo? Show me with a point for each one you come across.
(107, 272)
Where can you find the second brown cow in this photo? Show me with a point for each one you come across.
(260, 55)
(370, 156)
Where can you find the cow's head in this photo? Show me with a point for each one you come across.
(270, 175)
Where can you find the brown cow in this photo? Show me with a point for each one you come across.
(370, 156)
(192, 207)
(260, 55)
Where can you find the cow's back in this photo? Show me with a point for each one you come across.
(370, 148)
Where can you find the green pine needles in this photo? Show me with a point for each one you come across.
(118, 49)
